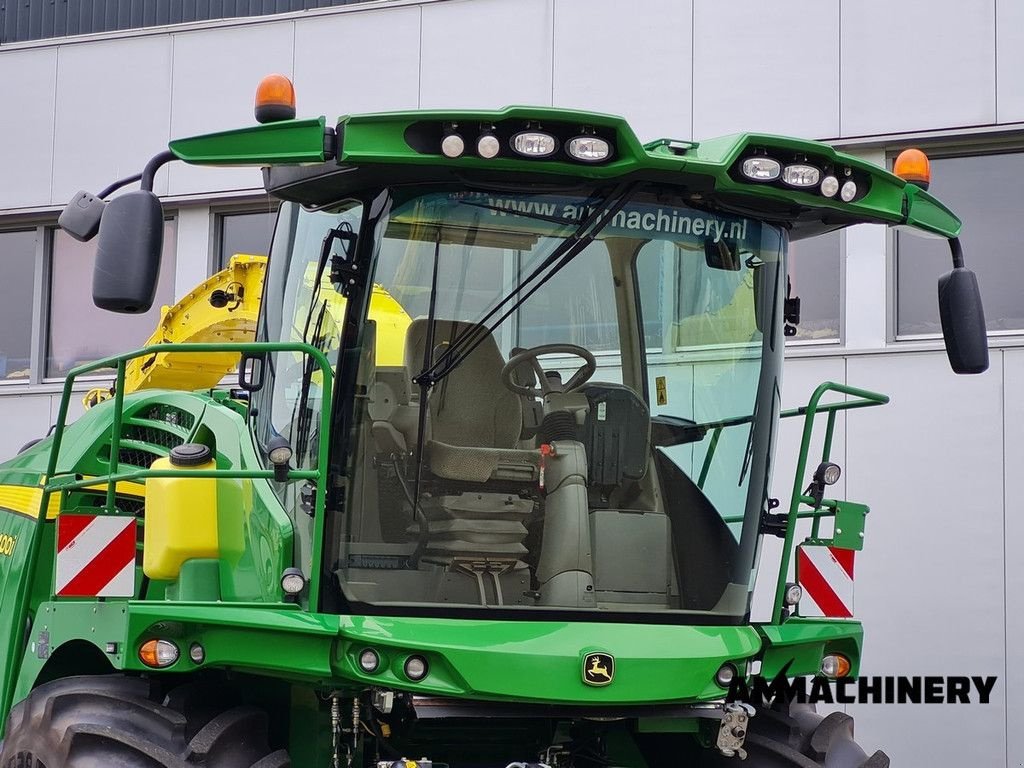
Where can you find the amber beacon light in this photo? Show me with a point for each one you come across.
(275, 99)
(912, 165)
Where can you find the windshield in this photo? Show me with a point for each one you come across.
(618, 463)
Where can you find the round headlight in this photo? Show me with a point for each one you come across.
(452, 145)
(848, 192)
(589, 149)
(761, 168)
(829, 186)
(369, 661)
(828, 473)
(292, 581)
(534, 144)
(415, 668)
(794, 593)
(801, 175)
(725, 675)
(197, 653)
(488, 146)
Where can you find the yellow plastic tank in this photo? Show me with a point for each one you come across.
(181, 514)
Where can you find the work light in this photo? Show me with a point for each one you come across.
(725, 675)
(415, 668)
(589, 149)
(488, 146)
(453, 145)
(848, 192)
(801, 175)
(794, 593)
(761, 168)
(534, 144)
(829, 186)
(292, 581)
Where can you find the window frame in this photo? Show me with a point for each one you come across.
(941, 148)
(39, 224)
(840, 339)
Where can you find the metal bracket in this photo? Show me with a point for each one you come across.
(733, 730)
(776, 524)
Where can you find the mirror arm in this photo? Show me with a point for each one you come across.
(957, 251)
(155, 164)
(118, 184)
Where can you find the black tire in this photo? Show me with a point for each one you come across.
(119, 722)
(798, 737)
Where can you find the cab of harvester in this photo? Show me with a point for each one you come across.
(493, 483)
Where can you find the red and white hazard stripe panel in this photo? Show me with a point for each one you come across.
(826, 576)
(95, 556)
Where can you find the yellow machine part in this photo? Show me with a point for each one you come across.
(195, 319)
(181, 521)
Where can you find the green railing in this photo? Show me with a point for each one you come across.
(827, 507)
(812, 509)
(61, 483)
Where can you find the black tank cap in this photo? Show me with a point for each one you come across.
(189, 455)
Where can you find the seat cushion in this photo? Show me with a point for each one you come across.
(478, 465)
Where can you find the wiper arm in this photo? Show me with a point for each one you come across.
(599, 217)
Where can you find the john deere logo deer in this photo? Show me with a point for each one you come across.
(598, 668)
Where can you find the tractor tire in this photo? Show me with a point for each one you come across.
(796, 736)
(117, 722)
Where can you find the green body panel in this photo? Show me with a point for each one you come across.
(543, 661)
(801, 642)
(290, 141)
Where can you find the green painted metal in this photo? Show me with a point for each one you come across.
(289, 141)
(798, 645)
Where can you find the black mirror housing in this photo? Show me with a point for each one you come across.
(81, 217)
(963, 321)
(128, 253)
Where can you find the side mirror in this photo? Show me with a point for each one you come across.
(718, 255)
(963, 321)
(128, 253)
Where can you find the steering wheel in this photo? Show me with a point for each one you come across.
(548, 386)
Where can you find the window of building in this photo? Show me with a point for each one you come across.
(18, 259)
(815, 273)
(78, 331)
(249, 232)
(984, 191)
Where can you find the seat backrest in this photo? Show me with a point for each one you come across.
(470, 406)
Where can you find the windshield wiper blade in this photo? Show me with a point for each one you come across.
(600, 216)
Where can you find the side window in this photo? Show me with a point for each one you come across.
(18, 252)
(300, 304)
(78, 331)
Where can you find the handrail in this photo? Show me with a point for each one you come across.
(58, 484)
(866, 399)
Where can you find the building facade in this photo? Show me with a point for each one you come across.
(936, 585)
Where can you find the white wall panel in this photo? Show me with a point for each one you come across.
(215, 75)
(768, 67)
(917, 65)
(486, 54)
(27, 86)
(340, 69)
(108, 132)
(1013, 535)
(930, 579)
(25, 417)
(635, 64)
(1009, 61)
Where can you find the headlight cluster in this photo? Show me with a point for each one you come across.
(513, 139)
(805, 174)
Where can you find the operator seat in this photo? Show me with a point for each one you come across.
(475, 421)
